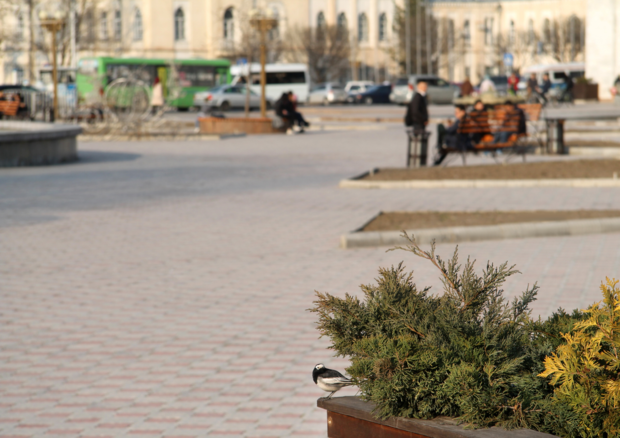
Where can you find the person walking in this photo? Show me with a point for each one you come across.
(568, 89)
(466, 88)
(545, 87)
(417, 111)
(487, 86)
(157, 98)
(513, 84)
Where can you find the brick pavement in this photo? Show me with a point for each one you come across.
(159, 289)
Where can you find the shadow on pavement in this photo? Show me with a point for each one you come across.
(104, 157)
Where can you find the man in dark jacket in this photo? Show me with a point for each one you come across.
(451, 137)
(285, 109)
(417, 111)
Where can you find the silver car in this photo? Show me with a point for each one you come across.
(439, 91)
(327, 94)
(226, 97)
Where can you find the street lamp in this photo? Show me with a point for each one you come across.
(263, 22)
(53, 22)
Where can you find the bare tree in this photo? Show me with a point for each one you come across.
(325, 49)
(423, 40)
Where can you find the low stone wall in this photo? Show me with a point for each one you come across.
(32, 144)
(237, 125)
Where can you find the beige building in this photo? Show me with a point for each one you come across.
(467, 38)
(474, 36)
(174, 29)
(603, 44)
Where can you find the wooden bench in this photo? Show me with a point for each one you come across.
(480, 129)
(9, 108)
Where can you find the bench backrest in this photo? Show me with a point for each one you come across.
(532, 111)
(8, 107)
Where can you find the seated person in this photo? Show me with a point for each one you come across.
(508, 128)
(545, 87)
(480, 117)
(2, 96)
(451, 137)
(285, 109)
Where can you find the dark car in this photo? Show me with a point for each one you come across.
(376, 94)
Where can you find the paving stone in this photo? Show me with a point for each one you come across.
(160, 289)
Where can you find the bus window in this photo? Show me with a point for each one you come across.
(145, 73)
(196, 76)
(293, 77)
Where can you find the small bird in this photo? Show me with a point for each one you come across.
(329, 380)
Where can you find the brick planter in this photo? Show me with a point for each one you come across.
(583, 91)
(350, 417)
(237, 125)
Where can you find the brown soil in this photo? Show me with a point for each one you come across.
(539, 170)
(396, 221)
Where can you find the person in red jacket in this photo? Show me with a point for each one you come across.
(513, 84)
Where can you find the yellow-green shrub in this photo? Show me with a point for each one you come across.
(585, 369)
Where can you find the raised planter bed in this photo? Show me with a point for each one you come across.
(238, 125)
(583, 91)
(351, 417)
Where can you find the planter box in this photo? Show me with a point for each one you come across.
(351, 417)
(585, 91)
(238, 125)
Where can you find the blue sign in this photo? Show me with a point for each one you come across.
(508, 59)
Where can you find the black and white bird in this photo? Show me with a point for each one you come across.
(329, 380)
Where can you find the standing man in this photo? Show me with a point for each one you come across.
(417, 111)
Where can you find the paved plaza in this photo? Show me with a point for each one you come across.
(159, 289)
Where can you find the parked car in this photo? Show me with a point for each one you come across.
(226, 97)
(327, 94)
(376, 94)
(439, 91)
(501, 84)
(355, 87)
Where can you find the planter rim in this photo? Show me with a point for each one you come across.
(441, 427)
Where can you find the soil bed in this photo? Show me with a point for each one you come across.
(604, 168)
(396, 221)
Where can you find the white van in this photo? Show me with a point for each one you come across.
(281, 78)
(557, 73)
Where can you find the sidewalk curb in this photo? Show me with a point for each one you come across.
(479, 183)
(157, 137)
(574, 227)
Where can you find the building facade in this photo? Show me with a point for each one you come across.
(603, 44)
(466, 38)
(176, 29)
(475, 36)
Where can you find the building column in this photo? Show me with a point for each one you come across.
(602, 47)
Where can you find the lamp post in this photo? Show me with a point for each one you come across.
(263, 23)
(53, 23)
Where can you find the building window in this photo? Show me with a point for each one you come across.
(137, 26)
(103, 26)
(547, 31)
(466, 33)
(20, 24)
(511, 35)
(229, 25)
(274, 33)
(531, 36)
(488, 31)
(320, 21)
(382, 27)
(179, 25)
(342, 24)
(118, 26)
(362, 27)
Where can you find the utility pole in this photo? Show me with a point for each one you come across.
(31, 66)
(429, 42)
(72, 33)
(572, 38)
(418, 37)
(408, 36)
(263, 24)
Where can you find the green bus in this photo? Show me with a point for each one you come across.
(193, 75)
